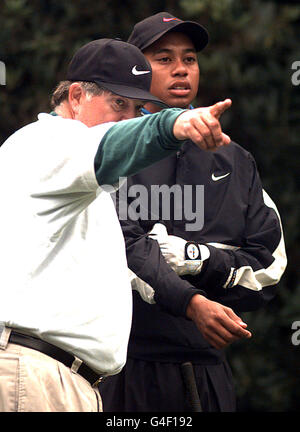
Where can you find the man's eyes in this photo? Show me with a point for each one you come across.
(119, 104)
(188, 60)
(164, 59)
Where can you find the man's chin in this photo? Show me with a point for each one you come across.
(179, 102)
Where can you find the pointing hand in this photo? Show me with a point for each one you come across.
(202, 126)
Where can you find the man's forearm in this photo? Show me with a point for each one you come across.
(131, 145)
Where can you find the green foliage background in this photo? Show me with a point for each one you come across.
(252, 47)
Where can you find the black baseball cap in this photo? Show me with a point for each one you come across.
(115, 65)
(146, 32)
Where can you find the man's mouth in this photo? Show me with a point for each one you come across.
(180, 88)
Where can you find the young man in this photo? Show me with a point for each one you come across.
(65, 309)
(235, 253)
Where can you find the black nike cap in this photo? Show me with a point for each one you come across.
(116, 65)
(148, 31)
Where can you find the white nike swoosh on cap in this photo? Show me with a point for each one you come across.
(216, 178)
(137, 72)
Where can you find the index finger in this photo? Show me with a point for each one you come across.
(239, 322)
(220, 107)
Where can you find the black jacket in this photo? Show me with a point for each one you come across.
(241, 227)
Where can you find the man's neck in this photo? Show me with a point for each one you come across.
(63, 110)
(152, 108)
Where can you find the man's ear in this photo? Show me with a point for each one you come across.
(75, 97)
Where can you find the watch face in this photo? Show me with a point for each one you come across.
(192, 251)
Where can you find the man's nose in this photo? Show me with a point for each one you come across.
(179, 68)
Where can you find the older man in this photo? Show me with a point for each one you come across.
(65, 307)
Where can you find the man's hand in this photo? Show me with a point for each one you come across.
(219, 325)
(202, 126)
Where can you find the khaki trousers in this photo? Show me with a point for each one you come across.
(31, 381)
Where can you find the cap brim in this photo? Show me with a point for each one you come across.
(195, 31)
(132, 93)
